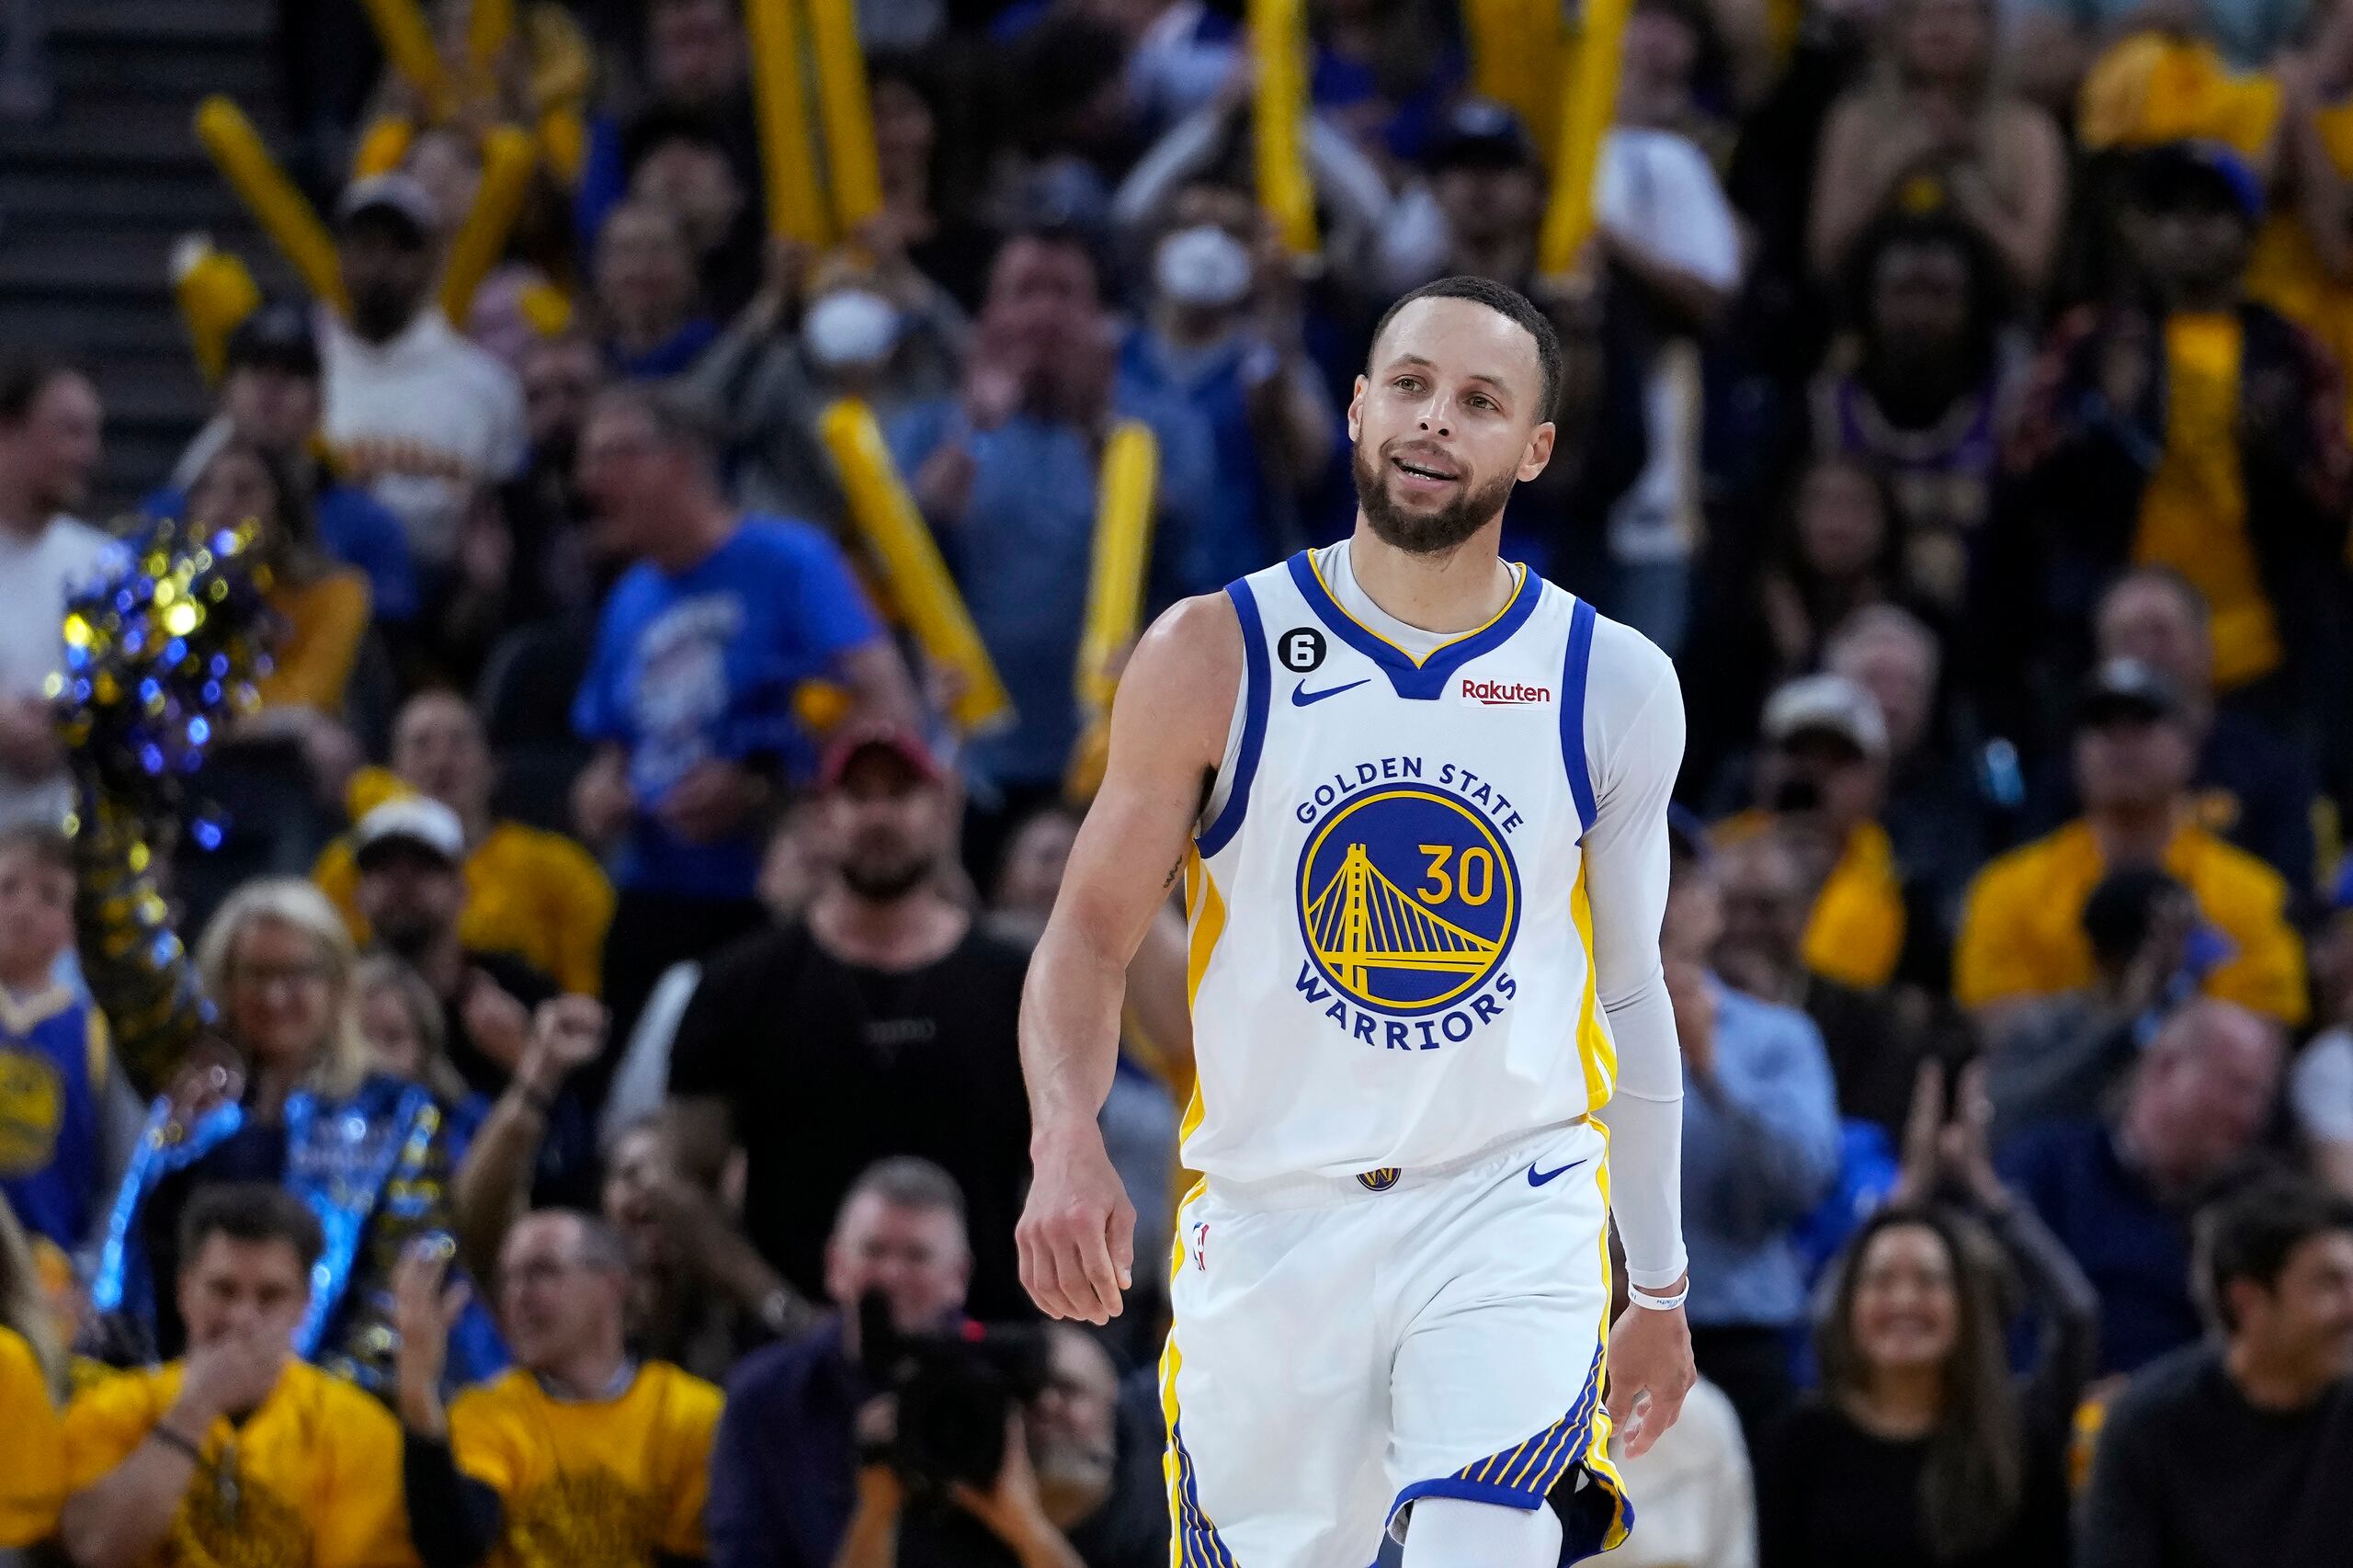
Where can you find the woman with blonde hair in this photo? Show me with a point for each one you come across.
(291, 1095)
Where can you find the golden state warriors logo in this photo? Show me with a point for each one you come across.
(1407, 898)
(32, 1106)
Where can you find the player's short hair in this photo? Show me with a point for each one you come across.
(250, 1212)
(2251, 1233)
(1510, 304)
(905, 1181)
(48, 846)
(681, 415)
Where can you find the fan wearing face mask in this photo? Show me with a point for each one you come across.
(815, 331)
(1222, 335)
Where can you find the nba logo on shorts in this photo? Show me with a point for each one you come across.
(1408, 900)
(1202, 1245)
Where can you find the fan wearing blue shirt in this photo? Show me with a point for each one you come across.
(690, 695)
(1006, 475)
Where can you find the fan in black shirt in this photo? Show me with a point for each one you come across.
(1919, 1452)
(2242, 1453)
(884, 1024)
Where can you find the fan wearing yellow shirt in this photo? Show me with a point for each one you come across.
(2021, 931)
(239, 1455)
(578, 1457)
(1821, 780)
(32, 1481)
(535, 895)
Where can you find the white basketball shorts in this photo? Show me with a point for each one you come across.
(1341, 1347)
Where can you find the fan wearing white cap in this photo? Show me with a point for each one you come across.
(410, 853)
(1821, 779)
(413, 410)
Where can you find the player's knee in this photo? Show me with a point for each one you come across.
(1455, 1532)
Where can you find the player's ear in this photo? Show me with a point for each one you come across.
(1538, 452)
(1355, 411)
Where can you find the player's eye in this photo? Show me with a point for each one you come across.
(1479, 400)
(1407, 383)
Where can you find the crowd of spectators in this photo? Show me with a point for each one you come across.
(616, 954)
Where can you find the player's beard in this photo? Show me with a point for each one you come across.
(1423, 533)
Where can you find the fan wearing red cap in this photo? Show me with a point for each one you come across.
(880, 1021)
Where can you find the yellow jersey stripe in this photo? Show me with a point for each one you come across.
(1206, 907)
(1518, 589)
(1595, 1050)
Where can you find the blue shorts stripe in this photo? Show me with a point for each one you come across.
(1524, 1476)
(1198, 1543)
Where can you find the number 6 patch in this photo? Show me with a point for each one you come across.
(1301, 649)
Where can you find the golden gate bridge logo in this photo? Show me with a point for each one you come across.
(1408, 899)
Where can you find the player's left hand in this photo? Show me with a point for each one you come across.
(1649, 1373)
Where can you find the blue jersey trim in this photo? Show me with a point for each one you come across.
(1425, 679)
(1256, 683)
(1573, 679)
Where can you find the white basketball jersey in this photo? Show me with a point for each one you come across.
(1392, 960)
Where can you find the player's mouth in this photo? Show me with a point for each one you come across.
(1422, 469)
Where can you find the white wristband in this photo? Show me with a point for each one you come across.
(1649, 1302)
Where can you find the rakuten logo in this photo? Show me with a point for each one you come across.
(1495, 692)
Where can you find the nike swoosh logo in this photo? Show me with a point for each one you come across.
(1538, 1178)
(1301, 697)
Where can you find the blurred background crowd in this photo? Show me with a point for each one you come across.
(615, 939)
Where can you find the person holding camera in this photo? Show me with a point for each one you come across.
(1066, 1493)
(899, 1432)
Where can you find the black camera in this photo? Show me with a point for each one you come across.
(954, 1389)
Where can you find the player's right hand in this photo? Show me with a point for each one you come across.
(1078, 1236)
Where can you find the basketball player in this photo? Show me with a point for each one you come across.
(1418, 796)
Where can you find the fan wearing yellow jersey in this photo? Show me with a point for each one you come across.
(32, 1484)
(240, 1454)
(1418, 796)
(576, 1457)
